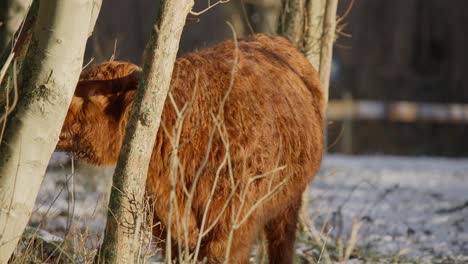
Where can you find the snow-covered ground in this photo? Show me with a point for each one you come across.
(413, 205)
(418, 206)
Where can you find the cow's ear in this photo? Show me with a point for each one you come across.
(86, 88)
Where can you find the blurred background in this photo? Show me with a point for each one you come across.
(399, 69)
(399, 86)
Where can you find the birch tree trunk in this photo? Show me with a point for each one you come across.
(47, 80)
(310, 25)
(12, 13)
(312, 41)
(315, 40)
(121, 239)
(292, 20)
(326, 48)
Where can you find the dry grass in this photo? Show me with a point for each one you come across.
(315, 245)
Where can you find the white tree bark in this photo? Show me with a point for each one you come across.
(47, 80)
(311, 25)
(313, 34)
(120, 245)
(326, 51)
(319, 37)
(291, 24)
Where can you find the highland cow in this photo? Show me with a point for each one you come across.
(248, 118)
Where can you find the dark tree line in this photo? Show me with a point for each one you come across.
(412, 50)
(406, 50)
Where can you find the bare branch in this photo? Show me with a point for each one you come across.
(210, 5)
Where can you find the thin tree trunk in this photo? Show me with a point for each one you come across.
(320, 35)
(291, 24)
(12, 13)
(315, 10)
(47, 79)
(326, 52)
(310, 25)
(312, 44)
(268, 11)
(121, 238)
(316, 39)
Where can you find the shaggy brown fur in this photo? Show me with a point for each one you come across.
(272, 117)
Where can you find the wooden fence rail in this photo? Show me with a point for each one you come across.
(397, 111)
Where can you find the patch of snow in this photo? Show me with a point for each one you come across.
(418, 204)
